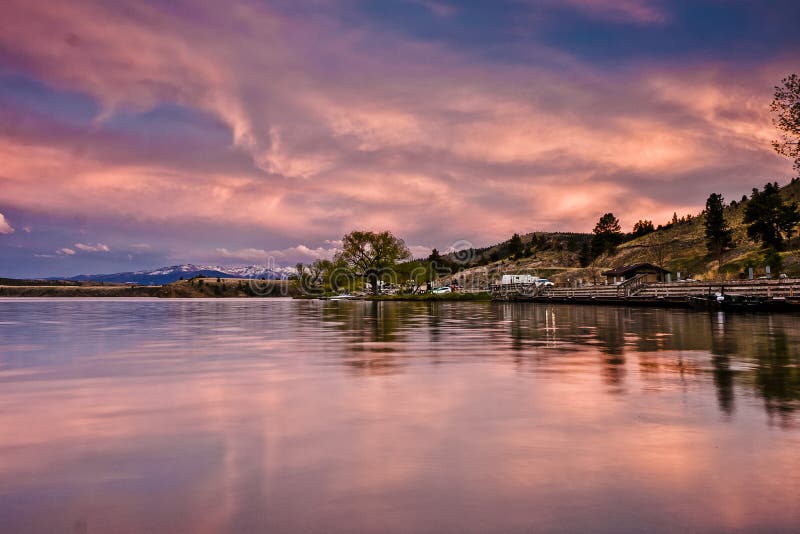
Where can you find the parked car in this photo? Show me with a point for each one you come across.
(441, 290)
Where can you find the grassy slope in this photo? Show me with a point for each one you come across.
(546, 263)
(685, 247)
(684, 250)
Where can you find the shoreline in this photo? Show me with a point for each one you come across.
(182, 290)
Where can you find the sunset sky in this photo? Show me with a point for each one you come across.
(140, 134)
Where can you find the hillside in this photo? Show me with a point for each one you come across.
(546, 254)
(679, 248)
(682, 247)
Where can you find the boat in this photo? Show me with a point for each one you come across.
(343, 296)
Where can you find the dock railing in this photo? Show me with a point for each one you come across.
(632, 286)
(637, 288)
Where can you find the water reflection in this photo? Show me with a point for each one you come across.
(282, 416)
(764, 348)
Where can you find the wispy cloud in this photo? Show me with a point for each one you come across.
(634, 11)
(99, 247)
(437, 7)
(65, 251)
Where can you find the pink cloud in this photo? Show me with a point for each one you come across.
(340, 134)
(288, 255)
(5, 227)
(245, 254)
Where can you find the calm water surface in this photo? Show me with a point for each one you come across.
(306, 416)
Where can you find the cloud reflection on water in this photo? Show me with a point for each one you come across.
(283, 415)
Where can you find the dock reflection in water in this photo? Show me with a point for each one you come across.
(285, 416)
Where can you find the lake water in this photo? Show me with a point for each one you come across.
(307, 416)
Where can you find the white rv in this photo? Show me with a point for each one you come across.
(524, 279)
(509, 279)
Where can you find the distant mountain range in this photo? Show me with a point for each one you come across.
(166, 275)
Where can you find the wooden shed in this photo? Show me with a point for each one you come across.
(653, 273)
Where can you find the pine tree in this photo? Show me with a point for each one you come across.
(718, 235)
(642, 227)
(585, 254)
(607, 235)
(771, 220)
(515, 246)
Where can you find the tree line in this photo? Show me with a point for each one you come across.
(771, 220)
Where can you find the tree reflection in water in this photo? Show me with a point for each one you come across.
(754, 352)
(293, 415)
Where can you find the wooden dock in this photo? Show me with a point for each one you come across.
(785, 293)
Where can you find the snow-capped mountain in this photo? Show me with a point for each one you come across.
(166, 275)
(257, 271)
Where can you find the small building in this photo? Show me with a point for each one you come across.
(653, 273)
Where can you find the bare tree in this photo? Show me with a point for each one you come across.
(658, 244)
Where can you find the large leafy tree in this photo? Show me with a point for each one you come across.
(770, 219)
(786, 106)
(372, 255)
(719, 236)
(607, 235)
(328, 274)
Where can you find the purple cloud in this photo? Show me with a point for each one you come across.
(286, 129)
